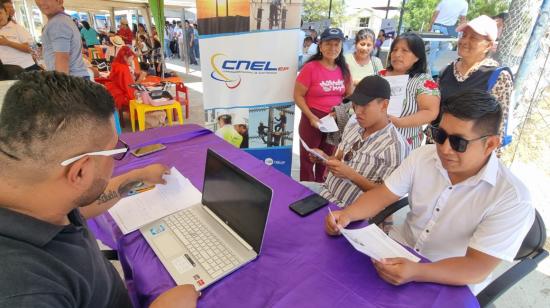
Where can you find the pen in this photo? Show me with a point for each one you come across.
(144, 189)
(332, 215)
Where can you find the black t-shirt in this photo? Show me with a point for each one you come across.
(45, 265)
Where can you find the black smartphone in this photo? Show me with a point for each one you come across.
(308, 205)
(139, 152)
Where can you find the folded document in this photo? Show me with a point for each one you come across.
(376, 244)
(133, 212)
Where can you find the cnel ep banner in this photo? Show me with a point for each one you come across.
(248, 81)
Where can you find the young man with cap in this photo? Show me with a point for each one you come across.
(371, 147)
(62, 43)
(467, 210)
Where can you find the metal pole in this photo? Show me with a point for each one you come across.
(401, 17)
(529, 56)
(329, 8)
(112, 19)
(388, 8)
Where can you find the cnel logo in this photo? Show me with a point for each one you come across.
(234, 67)
(270, 162)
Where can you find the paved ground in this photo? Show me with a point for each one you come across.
(532, 291)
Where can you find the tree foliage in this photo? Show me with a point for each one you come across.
(418, 13)
(316, 10)
(487, 7)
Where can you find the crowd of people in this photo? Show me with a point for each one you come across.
(467, 211)
(69, 45)
(176, 35)
(377, 158)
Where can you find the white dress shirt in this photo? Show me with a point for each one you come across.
(9, 55)
(490, 212)
(450, 10)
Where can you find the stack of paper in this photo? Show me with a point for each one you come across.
(398, 85)
(133, 212)
(376, 244)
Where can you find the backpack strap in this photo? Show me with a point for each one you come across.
(494, 76)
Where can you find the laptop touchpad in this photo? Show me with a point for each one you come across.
(170, 245)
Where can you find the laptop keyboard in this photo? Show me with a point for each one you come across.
(212, 254)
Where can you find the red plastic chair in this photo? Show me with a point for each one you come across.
(180, 87)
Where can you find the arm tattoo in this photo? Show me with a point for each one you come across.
(107, 196)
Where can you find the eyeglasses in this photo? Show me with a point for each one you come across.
(354, 148)
(457, 143)
(118, 153)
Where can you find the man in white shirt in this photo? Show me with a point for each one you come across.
(467, 210)
(15, 43)
(444, 21)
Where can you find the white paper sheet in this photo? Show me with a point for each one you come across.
(328, 124)
(133, 212)
(398, 85)
(376, 244)
(304, 144)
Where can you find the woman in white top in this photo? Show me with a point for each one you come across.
(362, 62)
(15, 43)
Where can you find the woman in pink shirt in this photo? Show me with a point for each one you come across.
(322, 84)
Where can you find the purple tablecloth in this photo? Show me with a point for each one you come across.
(299, 266)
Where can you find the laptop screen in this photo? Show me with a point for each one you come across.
(237, 198)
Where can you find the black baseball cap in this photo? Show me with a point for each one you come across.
(370, 88)
(331, 34)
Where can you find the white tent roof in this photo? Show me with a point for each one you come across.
(106, 4)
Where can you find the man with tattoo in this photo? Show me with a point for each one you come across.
(57, 145)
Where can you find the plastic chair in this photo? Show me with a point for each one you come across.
(137, 68)
(389, 210)
(141, 109)
(117, 123)
(530, 254)
(180, 87)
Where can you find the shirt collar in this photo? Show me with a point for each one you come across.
(473, 69)
(25, 228)
(488, 173)
(379, 132)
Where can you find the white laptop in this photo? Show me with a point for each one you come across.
(205, 242)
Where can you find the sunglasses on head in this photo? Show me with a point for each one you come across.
(457, 143)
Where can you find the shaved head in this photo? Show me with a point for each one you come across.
(47, 117)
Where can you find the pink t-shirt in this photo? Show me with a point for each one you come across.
(325, 88)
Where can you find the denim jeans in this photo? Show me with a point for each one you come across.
(437, 47)
(167, 50)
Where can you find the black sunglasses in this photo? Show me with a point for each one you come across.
(457, 143)
(354, 148)
(120, 145)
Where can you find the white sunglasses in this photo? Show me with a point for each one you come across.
(113, 152)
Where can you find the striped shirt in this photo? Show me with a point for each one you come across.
(376, 158)
(417, 85)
